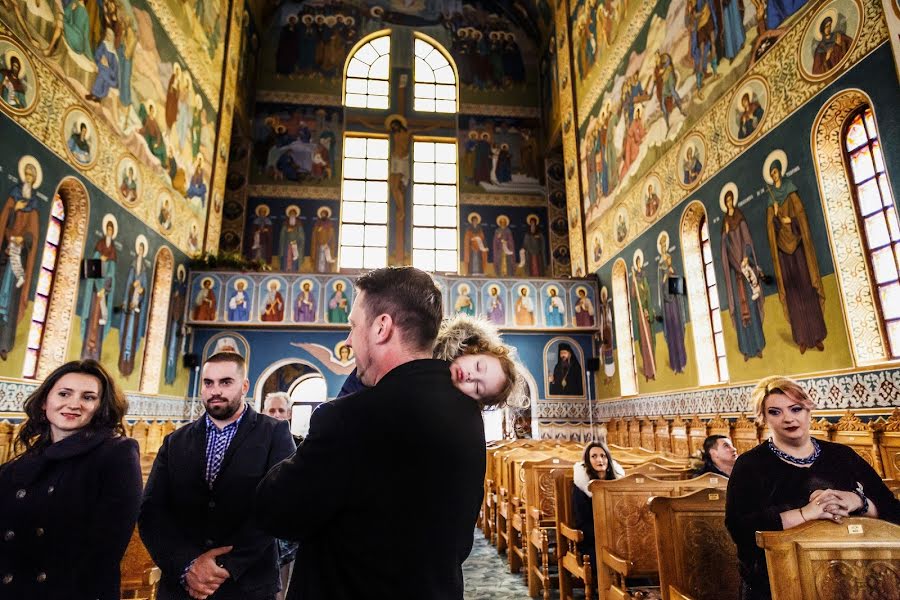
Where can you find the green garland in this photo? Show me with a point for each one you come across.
(227, 261)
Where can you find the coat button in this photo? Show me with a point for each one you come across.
(42, 577)
(50, 489)
(7, 579)
(21, 494)
(209, 543)
(39, 531)
(9, 536)
(212, 503)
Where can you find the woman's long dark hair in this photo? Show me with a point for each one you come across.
(608, 474)
(34, 435)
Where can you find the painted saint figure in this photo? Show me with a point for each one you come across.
(97, 305)
(671, 306)
(651, 201)
(584, 309)
(239, 303)
(691, 166)
(745, 300)
(261, 235)
(19, 224)
(504, 249)
(205, 302)
(128, 186)
(323, 246)
(750, 116)
(606, 335)
(292, 241)
(305, 306)
(79, 143)
(13, 83)
(524, 308)
(644, 316)
(134, 310)
(175, 328)
(831, 48)
(496, 310)
(338, 305)
(800, 286)
(464, 302)
(534, 248)
(554, 309)
(273, 303)
(474, 249)
(566, 377)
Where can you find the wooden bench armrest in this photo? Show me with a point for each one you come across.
(153, 575)
(676, 594)
(567, 532)
(616, 563)
(535, 514)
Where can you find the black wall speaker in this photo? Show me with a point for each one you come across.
(676, 286)
(91, 268)
(593, 364)
(190, 361)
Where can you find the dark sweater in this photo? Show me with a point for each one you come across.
(762, 486)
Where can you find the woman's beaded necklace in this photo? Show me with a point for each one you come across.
(817, 450)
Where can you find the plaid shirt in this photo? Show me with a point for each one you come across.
(217, 442)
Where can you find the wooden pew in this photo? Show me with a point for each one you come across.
(660, 471)
(634, 433)
(890, 445)
(697, 559)
(746, 434)
(505, 494)
(679, 438)
(647, 437)
(663, 439)
(718, 426)
(139, 576)
(572, 564)
(820, 560)
(697, 435)
(539, 496)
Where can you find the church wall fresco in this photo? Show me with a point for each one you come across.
(109, 313)
(789, 317)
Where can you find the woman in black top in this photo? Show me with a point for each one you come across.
(69, 502)
(597, 463)
(793, 478)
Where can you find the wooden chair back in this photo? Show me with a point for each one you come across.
(679, 438)
(860, 436)
(890, 445)
(819, 429)
(746, 434)
(856, 559)
(663, 440)
(139, 433)
(697, 435)
(624, 530)
(634, 433)
(717, 426)
(697, 558)
(647, 438)
(139, 575)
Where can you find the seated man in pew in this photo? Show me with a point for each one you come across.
(793, 478)
(597, 463)
(718, 456)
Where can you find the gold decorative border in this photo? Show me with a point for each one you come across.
(529, 112)
(311, 192)
(151, 367)
(503, 200)
(298, 98)
(737, 92)
(64, 292)
(855, 285)
(778, 67)
(37, 88)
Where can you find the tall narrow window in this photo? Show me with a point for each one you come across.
(878, 218)
(364, 206)
(435, 89)
(44, 286)
(435, 246)
(624, 330)
(367, 84)
(712, 294)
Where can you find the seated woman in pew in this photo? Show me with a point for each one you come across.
(597, 463)
(481, 365)
(793, 478)
(718, 456)
(69, 502)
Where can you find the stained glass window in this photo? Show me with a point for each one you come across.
(878, 218)
(435, 80)
(48, 264)
(364, 206)
(435, 227)
(367, 84)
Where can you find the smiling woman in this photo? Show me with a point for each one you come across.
(793, 478)
(75, 461)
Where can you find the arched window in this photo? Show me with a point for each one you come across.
(624, 330)
(435, 79)
(367, 81)
(703, 294)
(157, 320)
(49, 260)
(877, 217)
